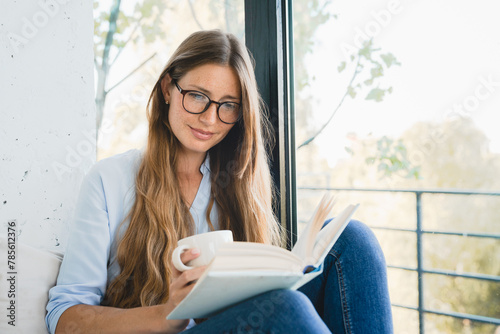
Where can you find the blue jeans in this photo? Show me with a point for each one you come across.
(350, 296)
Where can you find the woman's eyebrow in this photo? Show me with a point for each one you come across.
(203, 90)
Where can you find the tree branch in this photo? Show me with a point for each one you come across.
(133, 71)
(113, 17)
(355, 74)
(102, 71)
(138, 24)
(194, 14)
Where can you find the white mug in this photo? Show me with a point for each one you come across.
(207, 243)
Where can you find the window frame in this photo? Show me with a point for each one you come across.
(268, 36)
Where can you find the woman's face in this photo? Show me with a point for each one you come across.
(197, 133)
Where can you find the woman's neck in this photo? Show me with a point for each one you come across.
(189, 164)
(189, 176)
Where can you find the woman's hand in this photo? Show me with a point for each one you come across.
(181, 285)
(149, 319)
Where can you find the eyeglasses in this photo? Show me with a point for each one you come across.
(195, 102)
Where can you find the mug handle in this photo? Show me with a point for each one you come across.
(176, 258)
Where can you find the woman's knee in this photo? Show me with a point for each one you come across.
(284, 304)
(280, 311)
(293, 311)
(278, 301)
(359, 241)
(289, 297)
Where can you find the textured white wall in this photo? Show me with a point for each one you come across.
(47, 115)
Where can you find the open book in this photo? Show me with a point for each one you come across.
(241, 270)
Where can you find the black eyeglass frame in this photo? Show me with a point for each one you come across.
(210, 101)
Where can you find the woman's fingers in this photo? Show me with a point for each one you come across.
(186, 256)
(188, 277)
(182, 285)
(182, 282)
(189, 255)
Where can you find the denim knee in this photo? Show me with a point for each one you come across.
(289, 297)
(279, 311)
(296, 313)
(359, 241)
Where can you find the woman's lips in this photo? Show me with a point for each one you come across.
(200, 134)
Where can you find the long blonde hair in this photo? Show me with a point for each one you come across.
(241, 184)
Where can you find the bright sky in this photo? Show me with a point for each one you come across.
(448, 50)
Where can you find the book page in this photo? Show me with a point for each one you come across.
(255, 256)
(241, 270)
(304, 246)
(327, 237)
(215, 291)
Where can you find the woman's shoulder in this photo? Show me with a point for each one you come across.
(120, 165)
(128, 157)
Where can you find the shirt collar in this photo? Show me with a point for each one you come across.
(205, 166)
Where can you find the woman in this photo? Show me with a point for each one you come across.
(204, 168)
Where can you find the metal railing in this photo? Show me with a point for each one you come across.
(420, 267)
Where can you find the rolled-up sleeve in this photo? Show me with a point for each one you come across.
(83, 274)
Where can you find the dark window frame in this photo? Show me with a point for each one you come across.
(268, 36)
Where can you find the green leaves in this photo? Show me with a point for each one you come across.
(370, 66)
(370, 69)
(366, 50)
(389, 60)
(142, 25)
(392, 158)
(341, 67)
(351, 91)
(376, 94)
(311, 15)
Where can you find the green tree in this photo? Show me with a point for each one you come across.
(368, 67)
(365, 69)
(148, 24)
(453, 154)
(113, 31)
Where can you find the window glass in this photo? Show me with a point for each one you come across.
(147, 33)
(394, 95)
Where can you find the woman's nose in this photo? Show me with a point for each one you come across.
(210, 115)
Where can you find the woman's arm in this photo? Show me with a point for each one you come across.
(152, 319)
(102, 319)
(74, 303)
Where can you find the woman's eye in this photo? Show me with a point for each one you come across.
(230, 107)
(196, 96)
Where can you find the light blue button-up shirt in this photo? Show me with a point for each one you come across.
(106, 197)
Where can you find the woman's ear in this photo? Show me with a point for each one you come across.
(166, 84)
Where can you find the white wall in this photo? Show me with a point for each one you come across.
(47, 115)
